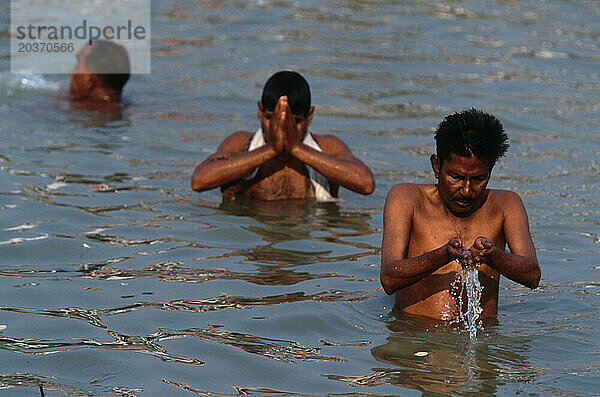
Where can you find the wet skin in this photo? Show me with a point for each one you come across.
(86, 89)
(282, 162)
(428, 227)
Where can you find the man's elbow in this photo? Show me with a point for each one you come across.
(535, 279)
(368, 186)
(386, 283)
(198, 184)
(195, 183)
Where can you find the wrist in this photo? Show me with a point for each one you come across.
(489, 258)
(446, 253)
(295, 149)
(269, 151)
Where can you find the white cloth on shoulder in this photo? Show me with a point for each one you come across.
(319, 182)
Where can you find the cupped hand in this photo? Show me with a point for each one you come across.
(455, 250)
(481, 250)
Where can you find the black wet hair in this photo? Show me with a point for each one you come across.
(110, 61)
(471, 132)
(290, 84)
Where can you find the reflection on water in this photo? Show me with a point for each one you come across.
(454, 365)
(273, 266)
(144, 345)
(287, 351)
(289, 221)
(40, 385)
(240, 390)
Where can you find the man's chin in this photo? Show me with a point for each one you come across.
(462, 210)
(73, 94)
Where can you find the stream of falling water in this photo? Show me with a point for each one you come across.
(469, 286)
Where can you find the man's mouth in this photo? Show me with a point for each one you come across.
(463, 203)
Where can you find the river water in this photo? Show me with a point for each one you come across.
(117, 280)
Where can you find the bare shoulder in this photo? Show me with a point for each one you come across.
(235, 142)
(406, 194)
(331, 144)
(505, 199)
(406, 190)
(509, 204)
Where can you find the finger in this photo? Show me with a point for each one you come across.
(289, 118)
(483, 241)
(474, 253)
(458, 241)
(461, 253)
(281, 104)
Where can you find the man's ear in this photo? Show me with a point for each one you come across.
(435, 165)
(260, 110)
(91, 81)
(311, 111)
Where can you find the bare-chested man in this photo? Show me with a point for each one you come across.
(427, 228)
(283, 160)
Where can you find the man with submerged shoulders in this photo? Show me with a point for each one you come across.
(283, 160)
(101, 71)
(428, 227)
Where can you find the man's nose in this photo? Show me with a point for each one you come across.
(465, 188)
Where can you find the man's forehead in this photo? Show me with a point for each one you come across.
(270, 113)
(470, 162)
(85, 50)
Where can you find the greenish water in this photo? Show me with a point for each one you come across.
(117, 279)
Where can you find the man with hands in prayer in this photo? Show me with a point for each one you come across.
(283, 160)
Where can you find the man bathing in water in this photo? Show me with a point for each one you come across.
(427, 228)
(98, 77)
(283, 160)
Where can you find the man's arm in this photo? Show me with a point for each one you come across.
(520, 264)
(398, 271)
(336, 163)
(227, 164)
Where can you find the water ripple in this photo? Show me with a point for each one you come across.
(40, 384)
(277, 349)
(144, 345)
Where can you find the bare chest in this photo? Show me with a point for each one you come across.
(281, 183)
(432, 229)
